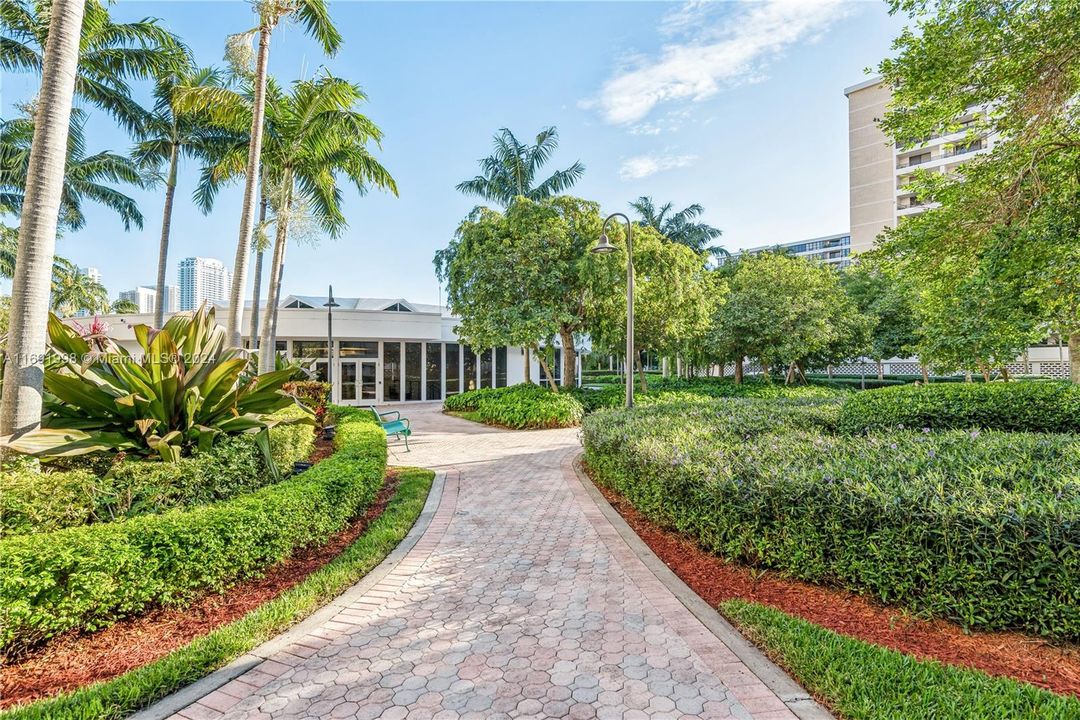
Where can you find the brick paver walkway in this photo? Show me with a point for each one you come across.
(520, 601)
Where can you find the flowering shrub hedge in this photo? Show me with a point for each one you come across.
(87, 577)
(44, 500)
(978, 527)
(520, 406)
(1034, 406)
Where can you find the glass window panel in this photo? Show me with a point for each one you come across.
(309, 348)
(391, 362)
(413, 388)
(368, 376)
(485, 369)
(434, 371)
(348, 381)
(359, 349)
(281, 345)
(320, 371)
(469, 381)
(453, 369)
(500, 367)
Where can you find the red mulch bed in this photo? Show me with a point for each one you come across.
(1026, 658)
(74, 660)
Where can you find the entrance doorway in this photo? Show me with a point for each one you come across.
(359, 382)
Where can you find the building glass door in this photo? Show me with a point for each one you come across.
(359, 382)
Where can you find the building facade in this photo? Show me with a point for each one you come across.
(384, 349)
(880, 173)
(832, 250)
(144, 297)
(202, 280)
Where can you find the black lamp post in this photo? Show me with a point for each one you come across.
(330, 305)
(603, 247)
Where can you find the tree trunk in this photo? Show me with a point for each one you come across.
(738, 370)
(528, 368)
(925, 372)
(163, 245)
(641, 372)
(1074, 357)
(569, 358)
(984, 370)
(1005, 373)
(547, 370)
(273, 295)
(789, 377)
(20, 408)
(256, 292)
(880, 370)
(247, 212)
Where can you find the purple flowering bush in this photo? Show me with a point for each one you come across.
(982, 528)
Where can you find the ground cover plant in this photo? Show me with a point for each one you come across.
(673, 389)
(1020, 405)
(862, 681)
(523, 406)
(138, 688)
(977, 527)
(86, 577)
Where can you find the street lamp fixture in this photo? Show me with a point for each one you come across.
(604, 247)
(330, 305)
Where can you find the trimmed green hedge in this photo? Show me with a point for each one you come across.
(519, 406)
(88, 577)
(36, 501)
(666, 390)
(979, 527)
(1018, 406)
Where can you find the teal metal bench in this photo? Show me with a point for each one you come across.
(398, 427)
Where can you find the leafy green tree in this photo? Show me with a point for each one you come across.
(540, 291)
(681, 227)
(887, 302)
(510, 171)
(74, 292)
(166, 136)
(315, 18)
(123, 305)
(110, 54)
(791, 310)
(87, 178)
(674, 298)
(999, 214)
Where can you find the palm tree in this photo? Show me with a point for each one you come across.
(20, 406)
(123, 305)
(110, 54)
(315, 17)
(9, 251)
(166, 136)
(681, 227)
(86, 177)
(511, 170)
(75, 292)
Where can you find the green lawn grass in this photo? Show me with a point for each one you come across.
(127, 693)
(861, 681)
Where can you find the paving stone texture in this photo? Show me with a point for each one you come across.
(520, 601)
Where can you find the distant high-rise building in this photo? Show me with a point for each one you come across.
(172, 299)
(91, 272)
(202, 280)
(832, 250)
(142, 296)
(881, 173)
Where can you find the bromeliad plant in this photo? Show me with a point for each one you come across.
(183, 392)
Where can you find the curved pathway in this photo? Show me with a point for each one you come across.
(520, 600)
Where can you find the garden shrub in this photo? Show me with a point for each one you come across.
(519, 406)
(980, 527)
(312, 394)
(1019, 406)
(87, 577)
(672, 389)
(36, 501)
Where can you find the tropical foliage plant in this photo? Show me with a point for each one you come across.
(681, 227)
(183, 392)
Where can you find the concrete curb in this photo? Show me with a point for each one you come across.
(180, 699)
(790, 692)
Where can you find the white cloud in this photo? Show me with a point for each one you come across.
(642, 166)
(710, 54)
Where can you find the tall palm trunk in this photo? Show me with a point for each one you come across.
(20, 407)
(277, 264)
(253, 334)
(247, 212)
(163, 246)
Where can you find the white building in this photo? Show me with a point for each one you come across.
(832, 250)
(144, 297)
(202, 280)
(384, 350)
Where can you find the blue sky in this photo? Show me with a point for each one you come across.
(738, 106)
